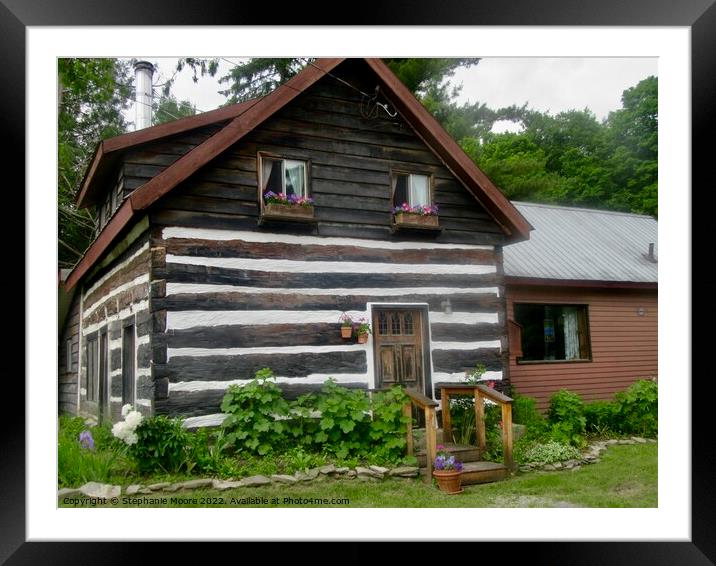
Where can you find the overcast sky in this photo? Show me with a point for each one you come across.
(546, 84)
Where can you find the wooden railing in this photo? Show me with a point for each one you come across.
(480, 391)
(428, 407)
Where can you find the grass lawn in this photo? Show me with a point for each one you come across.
(626, 476)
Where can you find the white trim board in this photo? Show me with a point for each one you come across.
(319, 267)
(258, 237)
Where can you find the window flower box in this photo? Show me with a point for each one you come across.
(287, 206)
(424, 217)
(273, 209)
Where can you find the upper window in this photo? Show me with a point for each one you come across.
(284, 176)
(553, 332)
(412, 189)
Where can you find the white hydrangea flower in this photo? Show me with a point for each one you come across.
(131, 438)
(119, 430)
(133, 419)
(126, 409)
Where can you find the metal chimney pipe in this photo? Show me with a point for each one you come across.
(143, 72)
(651, 257)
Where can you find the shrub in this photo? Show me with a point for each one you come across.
(388, 426)
(251, 424)
(566, 417)
(638, 408)
(345, 423)
(549, 452)
(161, 445)
(601, 417)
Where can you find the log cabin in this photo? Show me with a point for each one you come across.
(582, 302)
(196, 279)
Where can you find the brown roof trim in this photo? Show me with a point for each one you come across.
(119, 220)
(258, 110)
(537, 282)
(265, 107)
(154, 133)
(501, 209)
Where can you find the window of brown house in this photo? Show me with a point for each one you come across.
(553, 332)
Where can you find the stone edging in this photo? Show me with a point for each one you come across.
(370, 473)
(590, 455)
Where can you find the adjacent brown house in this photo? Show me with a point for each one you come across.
(196, 278)
(582, 302)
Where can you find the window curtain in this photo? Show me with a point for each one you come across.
(266, 170)
(571, 333)
(419, 191)
(295, 177)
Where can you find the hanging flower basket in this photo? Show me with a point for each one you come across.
(362, 338)
(346, 331)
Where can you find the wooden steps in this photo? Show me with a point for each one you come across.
(474, 470)
(462, 452)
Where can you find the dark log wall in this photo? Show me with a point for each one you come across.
(113, 299)
(140, 164)
(68, 373)
(230, 295)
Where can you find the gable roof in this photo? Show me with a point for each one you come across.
(248, 116)
(583, 245)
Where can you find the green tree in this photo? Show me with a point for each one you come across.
(168, 108)
(92, 95)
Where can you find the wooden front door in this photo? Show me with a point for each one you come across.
(398, 335)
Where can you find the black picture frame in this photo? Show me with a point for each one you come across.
(698, 15)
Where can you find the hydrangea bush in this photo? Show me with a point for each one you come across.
(126, 430)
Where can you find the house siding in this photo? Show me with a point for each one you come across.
(115, 296)
(68, 380)
(224, 316)
(624, 345)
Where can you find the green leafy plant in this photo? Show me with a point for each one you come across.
(162, 445)
(254, 410)
(601, 417)
(638, 408)
(548, 452)
(344, 422)
(462, 410)
(388, 426)
(566, 417)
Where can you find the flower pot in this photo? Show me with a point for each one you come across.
(449, 481)
(362, 338)
(278, 210)
(346, 331)
(416, 220)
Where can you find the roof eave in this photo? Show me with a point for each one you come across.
(594, 283)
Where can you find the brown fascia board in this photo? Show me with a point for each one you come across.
(265, 107)
(146, 135)
(593, 283)
(429, 129)
(114, 227)
(255, 113)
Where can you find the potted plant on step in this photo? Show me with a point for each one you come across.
(346, 325)
(361, 329)
(447, 471)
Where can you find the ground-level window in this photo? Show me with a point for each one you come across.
(553, 332)
(92, 377)
(128, 357)
(284, 176)
(412, 189)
